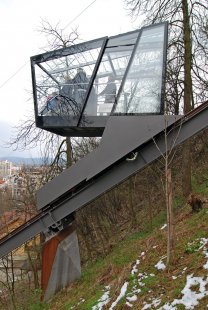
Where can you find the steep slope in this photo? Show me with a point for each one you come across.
(135, 275)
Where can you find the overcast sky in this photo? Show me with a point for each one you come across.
(20, 40)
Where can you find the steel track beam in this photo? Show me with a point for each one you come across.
(181, 130)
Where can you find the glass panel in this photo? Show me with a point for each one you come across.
(141, 92)
(62, 81)
(110, 74)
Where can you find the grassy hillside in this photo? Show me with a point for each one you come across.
(135, 276)
(123, 246)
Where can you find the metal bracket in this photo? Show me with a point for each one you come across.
(132, 156)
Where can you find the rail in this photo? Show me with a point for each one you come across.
(191, 124)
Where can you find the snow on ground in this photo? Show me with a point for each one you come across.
(134, 269)
(160, 265)
(137, 282)
(153, 304)
(195, 288)
(82, 300)
(104, 300)
(204, 248)
(163, 227)
(121, 295)
(190, 297)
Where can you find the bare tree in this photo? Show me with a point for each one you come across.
(54, 148)
(57, 37)
(167, 159)
(187, 56)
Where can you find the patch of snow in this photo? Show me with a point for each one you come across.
(142, 276)
(160, 265)
(205, 251)
(121, 295)
(104, 299)
(129, 305)
(184, 269)
(190, 298)
(132, 298)
(136, 290)
(154, 303)
(81, 301)
(168, 307)
(134, 269)
(203, 242)
(163, 227)
(147, 306)
(174, 277)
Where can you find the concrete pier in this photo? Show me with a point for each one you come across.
(60, 262)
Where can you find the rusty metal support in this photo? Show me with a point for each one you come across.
(60, 261)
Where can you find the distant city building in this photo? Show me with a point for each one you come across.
(19, 180)
(5, 168)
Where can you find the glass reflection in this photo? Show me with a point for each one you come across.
(110, 74)
(62, 83)
(77, 78)
(141, 92)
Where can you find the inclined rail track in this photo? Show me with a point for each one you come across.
(190, 124)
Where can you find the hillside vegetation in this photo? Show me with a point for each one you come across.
(133, 274)
(123, 244)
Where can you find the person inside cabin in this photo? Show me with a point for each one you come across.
(110, 90)
(80, 82)
(52, 103)
(91, 107)
(67, 88)
(67, 96)
(81, 79)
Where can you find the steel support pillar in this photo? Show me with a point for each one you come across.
(60, 261)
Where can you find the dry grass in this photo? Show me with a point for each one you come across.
(116, 267)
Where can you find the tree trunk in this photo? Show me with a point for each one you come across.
(186, 170)
(68, 152)
(170, 221)
(131, 203)
(188, 95)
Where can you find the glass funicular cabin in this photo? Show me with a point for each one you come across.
(130, 114)
(77, 88)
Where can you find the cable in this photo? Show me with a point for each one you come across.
(14, 74)
(79, 14)
(5, 82)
